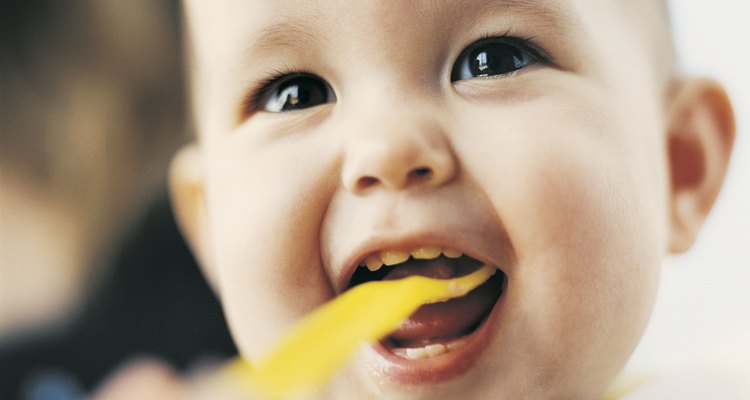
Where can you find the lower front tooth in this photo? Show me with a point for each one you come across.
(434, 350)
(455, 345)
(416, 353)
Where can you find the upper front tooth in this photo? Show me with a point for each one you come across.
(452, 253)
(392, 257)
(373, 263)
(426, 253)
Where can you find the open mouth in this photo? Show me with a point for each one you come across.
(435, 329)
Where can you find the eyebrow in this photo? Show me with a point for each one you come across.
(290, 32)
(554, 13)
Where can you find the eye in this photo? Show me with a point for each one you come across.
(497, 56)
(292, 92)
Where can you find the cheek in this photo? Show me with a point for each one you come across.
(265, 215)
(588, 277)
(579, 207)
(589, 252)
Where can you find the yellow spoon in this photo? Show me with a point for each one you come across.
(323, 341)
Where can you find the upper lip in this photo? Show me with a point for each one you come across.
(472, 244)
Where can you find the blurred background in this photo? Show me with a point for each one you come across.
(92, 269)
(92, 106)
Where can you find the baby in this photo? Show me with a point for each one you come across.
(341, 142)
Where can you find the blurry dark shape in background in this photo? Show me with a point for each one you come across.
(92, 267)
(91, 106)
(155, 303)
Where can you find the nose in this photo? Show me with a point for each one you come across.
(396, 155)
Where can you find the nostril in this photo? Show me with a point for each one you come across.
(415, 176)
(420, 174)
(366, 182)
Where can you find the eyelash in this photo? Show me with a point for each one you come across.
(262, 87)
(525, 43)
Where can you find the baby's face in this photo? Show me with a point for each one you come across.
(526, 135)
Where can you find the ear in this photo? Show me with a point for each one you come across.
(186, 185)
(700, 135)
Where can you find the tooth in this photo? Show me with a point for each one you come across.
(416, 353)
(392, 257)
(426, 253)
(456, 345)
(373, 263)
(435, 350)
(452, 253)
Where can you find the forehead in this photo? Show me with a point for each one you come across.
(260, 24)
(264, 12)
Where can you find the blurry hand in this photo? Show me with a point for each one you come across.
(150, 379)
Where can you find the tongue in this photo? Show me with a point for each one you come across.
(449, 319)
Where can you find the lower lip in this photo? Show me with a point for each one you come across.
(384, 364)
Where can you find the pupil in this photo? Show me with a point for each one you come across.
(495, 60)
(301, 93)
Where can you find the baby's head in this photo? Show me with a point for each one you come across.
(549, 139)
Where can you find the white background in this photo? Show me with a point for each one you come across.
(703, 308)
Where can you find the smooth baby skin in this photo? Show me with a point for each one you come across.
(565, 168)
